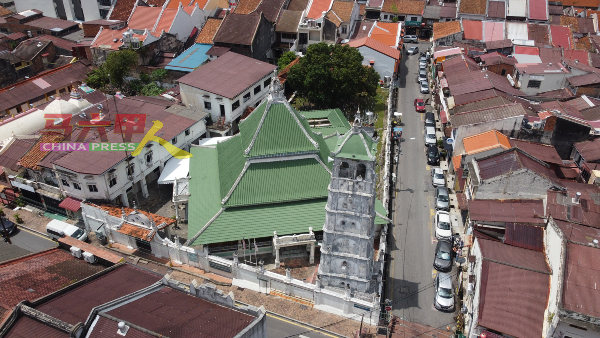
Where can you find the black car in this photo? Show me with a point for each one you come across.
(433, 155)
(444, 256)
(9, 226)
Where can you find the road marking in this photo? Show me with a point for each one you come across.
(303, 326)
(412, 138)
(433, 273)
(428, 168)
(33, 233)
(429, 223)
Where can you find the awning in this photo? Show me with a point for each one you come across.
(22, 186)
(70, 203)
(443, 116)
(174, 169)
(444, 82)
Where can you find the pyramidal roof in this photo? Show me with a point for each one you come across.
(276, 129)
(356, 144)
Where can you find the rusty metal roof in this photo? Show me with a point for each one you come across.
(524, 236)
(11, 156)
(172, 313)
(578, 233)
(582, 272)
(543, 152)
(74, 306)
(506, 162)
(560, 205)
(26, 327)
(106, 328)
(509, 211)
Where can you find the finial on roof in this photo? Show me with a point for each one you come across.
(75, 94)
(123, 215)
(276, 91)
(357, 120)
(135, 209)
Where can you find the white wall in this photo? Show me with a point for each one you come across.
(473, 302)
(549, 82)
(554, 248)
(384, 65)
(24, 125)
(195, 97)
(183, 23)
(91, 10)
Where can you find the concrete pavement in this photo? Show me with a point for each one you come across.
(410, 284)
(282, 328)
(31, 241)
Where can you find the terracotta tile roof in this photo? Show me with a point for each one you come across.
(485, 141)
(5, 11)
(404, 7)
(581, 3)
(585, 44)
(144, 17)
(496, 9)
(386, 32)
(288, 21)
(246, 6)
(473, 6)
(473, 30)
(117, 212)
(361, 9)
(340, 11)
(137, 232)
(377, 46)
(317, 8)
(443, 29)
(456, 161)
(271, 9)
(122, 10)
(297, 5)
(166, 20)
(209, 30)
(35, 154)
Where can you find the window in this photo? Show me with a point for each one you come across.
(103, 13)
(76, 186)
(92, 188)
(235, 105)
(174, 140)
(149, 157)
(267, 83)
(288, 36)
(65, 182)
(112, 181)
(246, 98)
(256, 90)
(429, 22)
(344, 170)
(207, 105)
(314, 36)
(187, 132)
(3, 30)
(344, 29)
(38, 32)
(503, 73)
(131, 169)
(414, 18)
(534, 84)
(385, 17)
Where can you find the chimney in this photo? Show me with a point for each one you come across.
(577, 197)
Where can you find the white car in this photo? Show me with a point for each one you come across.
(437, 177)
(443, 227)
(430, 138)
(444, 296)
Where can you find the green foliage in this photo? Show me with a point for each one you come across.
(286, 59)
(2, 213)
(118, 64)
(18, 218)
(151, 89)
(395, 9)
(20, 202)
(395, 19)
(332, 76)
(145, 78)
(158, 75)
(98, 78)
(440, 143)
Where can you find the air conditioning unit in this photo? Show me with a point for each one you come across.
(88, 257)
(76, 252)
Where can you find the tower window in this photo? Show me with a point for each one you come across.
(361, 172)
(344, 170)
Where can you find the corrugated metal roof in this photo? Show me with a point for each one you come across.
(75, 306)
(516, 31)
(230, 163)
(517, 211)
(70, 203)
(496, 9)
(173, 313)
(473, 30)
(517, 8)
(229, 75)
(281, 181)
(514, 256)
(190, 59)
(539, 33)
(578, 233)
(538, 10)
(481, 104)
(472, 97)
(17, 149)
(497, 113)
(561, 37)
(26, 327)
(582, 273)
(561, 207)
(106, 328)
(524, 236)
(509, 161)
(527, 50)
(357, 146)
(543, 152)
(493, 30)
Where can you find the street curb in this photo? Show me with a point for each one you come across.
(314, 328)
(33, 230)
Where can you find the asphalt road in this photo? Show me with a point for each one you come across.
(410, 283)
(281, 328)
(31, 241)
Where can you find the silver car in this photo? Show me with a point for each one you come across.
(424, 87)
(444, 296)
(437, 177)
(413, 50)
(442, 202)
(430, 138)
(422, 75)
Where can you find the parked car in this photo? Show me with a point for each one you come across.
(419, 105)
(444, 256)
(442, 200)
(422, 76)
(443, 227)
(430, 137)
(424, 87)
(57, 229)
(411, 38)
(430, 118)
(9, 226)
(437, 177)
(422, 67)
(433, 154)
(413, 50)
(444, 296)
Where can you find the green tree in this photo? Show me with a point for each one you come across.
(332, 76)
(151, 89)
(285, 60)
(158, 75)
(118, 64)
(98, 78)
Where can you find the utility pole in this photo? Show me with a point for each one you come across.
(6, 234)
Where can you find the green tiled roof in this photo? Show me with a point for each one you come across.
(326, 131)
(231, 161)
(260, 221)
(279, 133)
(352, 146)
(281, 181)
(335, 117)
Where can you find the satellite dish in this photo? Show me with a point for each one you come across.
(449, 140)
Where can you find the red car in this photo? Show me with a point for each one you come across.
(419, 105)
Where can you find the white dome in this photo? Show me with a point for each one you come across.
(80, 103)
(59, 106)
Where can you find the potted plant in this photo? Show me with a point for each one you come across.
(18, 218)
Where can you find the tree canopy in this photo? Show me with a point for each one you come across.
(118, 65)
(285, 60)
(333, 76)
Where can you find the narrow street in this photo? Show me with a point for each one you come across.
(410, 284)
(31, 241)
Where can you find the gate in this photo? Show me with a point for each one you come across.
(143, 246)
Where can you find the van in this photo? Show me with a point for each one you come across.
(57, 229)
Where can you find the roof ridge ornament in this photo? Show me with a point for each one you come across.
(276, 90)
